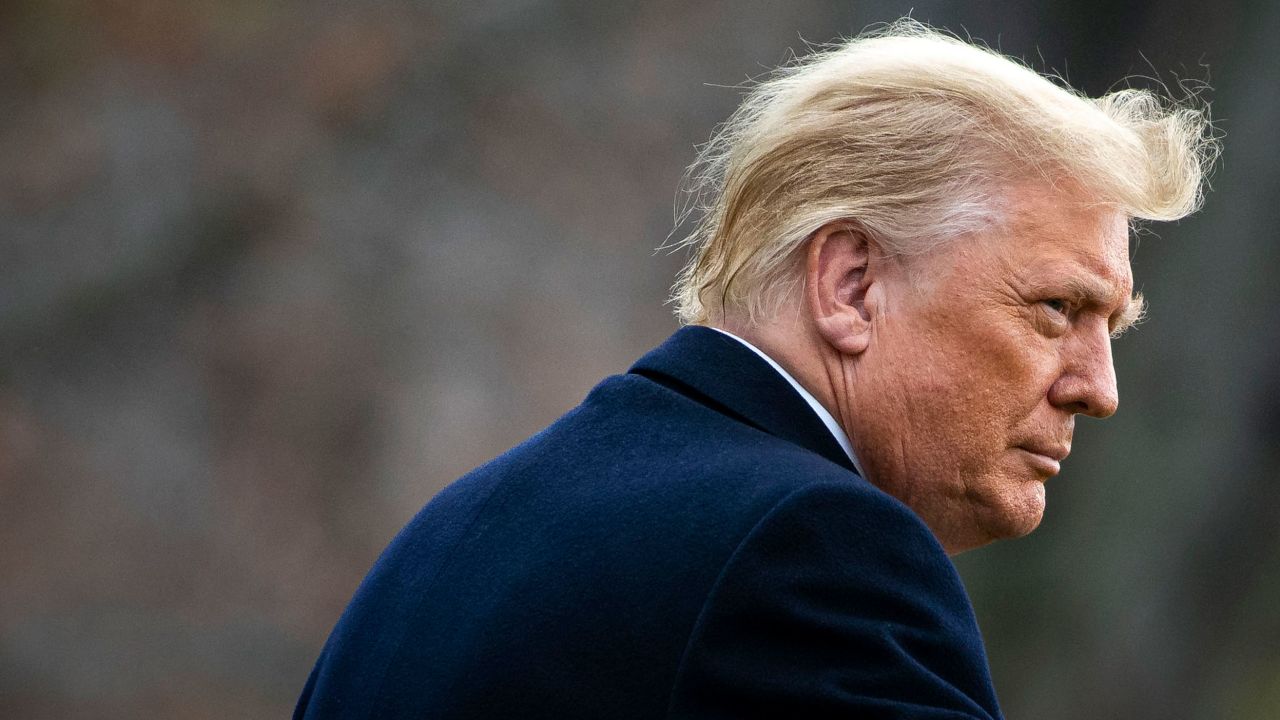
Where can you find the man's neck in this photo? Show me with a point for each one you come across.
(788, 358)
(797, 349)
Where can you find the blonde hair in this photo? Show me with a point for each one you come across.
(913, 135)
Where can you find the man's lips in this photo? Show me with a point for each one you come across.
(1057, 453)
(1047, 458)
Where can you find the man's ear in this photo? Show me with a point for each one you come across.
(837, 281)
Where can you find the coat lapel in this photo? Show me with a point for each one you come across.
(721, 373)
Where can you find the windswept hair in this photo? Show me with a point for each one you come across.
(914, 136)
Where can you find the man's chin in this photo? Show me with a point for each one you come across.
(999, 516)
(1015, 511)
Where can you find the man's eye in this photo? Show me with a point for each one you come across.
(1057, 305)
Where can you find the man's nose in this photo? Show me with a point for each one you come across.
(1088, 381)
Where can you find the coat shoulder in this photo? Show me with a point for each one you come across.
(582, 557)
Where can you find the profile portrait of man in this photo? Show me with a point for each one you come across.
(910, 258)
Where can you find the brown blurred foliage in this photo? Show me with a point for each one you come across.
(274, 272)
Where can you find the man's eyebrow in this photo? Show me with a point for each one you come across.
(1130, 315)
(1089, 291)
(1083, 290)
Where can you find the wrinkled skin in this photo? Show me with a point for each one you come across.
(957, 375)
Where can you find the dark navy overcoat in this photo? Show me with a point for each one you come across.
(689, 542)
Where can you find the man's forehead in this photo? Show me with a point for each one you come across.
(1041, 208)
(1093, 261)
(1086, 239)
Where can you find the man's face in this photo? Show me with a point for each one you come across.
(982, 363)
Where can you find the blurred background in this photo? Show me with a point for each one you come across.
(274, 272)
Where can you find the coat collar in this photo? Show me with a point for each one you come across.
(721, 373)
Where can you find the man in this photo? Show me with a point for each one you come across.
(912, 258)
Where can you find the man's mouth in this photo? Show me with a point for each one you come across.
(1047, 458)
